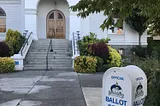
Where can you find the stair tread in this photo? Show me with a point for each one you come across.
(60, 58)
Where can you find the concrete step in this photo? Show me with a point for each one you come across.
(50, 68)
(60, 58)
(50, 54)
(44, 65)
(46, 50)
(54, 43)
(50, 57)
(50, 62)
(36, 46)
(54, 52)
(55, 49)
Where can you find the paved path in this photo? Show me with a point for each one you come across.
(92, 87)
(41, 88)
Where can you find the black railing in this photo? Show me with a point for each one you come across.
(50, 49)
(25, 43)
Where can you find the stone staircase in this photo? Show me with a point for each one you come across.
(59, 59)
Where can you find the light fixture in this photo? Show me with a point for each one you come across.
(55, 3)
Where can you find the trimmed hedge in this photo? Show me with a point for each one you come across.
(6, 65)
(100, 63)
(15, 40)
(85, 64)
(115, 58)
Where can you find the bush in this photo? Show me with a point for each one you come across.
(100, 49)
(153, 46)
(4, 50)
(139, 51)
(6, 65)
(151, 67)
(85, 64)
(153, 90)
(106, 67)
(99, 64)
(15, 40)
(115, 58)
(104, 40)
(83, 44)
(88, 40)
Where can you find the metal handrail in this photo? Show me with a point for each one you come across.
(26, 42)
(49, 50)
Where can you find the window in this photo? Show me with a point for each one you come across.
(60, 16)
(116, 30)
(51, 16)
(2, 21)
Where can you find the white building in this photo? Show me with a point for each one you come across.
(47, 18)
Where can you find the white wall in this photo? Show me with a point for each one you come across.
(45, 6)
(132, 37)
(13, 15)
(31, 22)
(90, 24)
(93, 22)
(74, 24)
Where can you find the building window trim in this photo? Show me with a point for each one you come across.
(116, 29)
(2, 21)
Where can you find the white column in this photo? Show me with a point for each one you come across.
(75, 23)
(31, 21)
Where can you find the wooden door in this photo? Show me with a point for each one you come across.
(56, 25)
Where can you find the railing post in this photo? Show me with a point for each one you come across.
(78, 34)
(47, 63)
(51, 46)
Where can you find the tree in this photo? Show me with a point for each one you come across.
(149, 8)
(154, 27)
(137, 22)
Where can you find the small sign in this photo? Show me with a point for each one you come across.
(125, 86)
(16, 62)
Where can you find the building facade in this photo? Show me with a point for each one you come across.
(53, 18)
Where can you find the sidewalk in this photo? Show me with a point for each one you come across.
(40, 88)
(50, 88)
(92, 86)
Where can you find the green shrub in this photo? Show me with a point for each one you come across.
(106, 67)
(151, 67)
(104, 40)
(153, 97)
(115, 57)
(89, 40)
(153, 46)
(15, 40)
(140, 51)
(6, 65)
(85, 64)
(99, 64)
(85, 42)
(4, 50)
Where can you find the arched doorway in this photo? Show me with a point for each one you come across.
(56, 25)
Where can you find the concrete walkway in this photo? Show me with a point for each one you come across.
(41, 88)
(92, 88)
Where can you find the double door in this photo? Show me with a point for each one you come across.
(56, 25)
